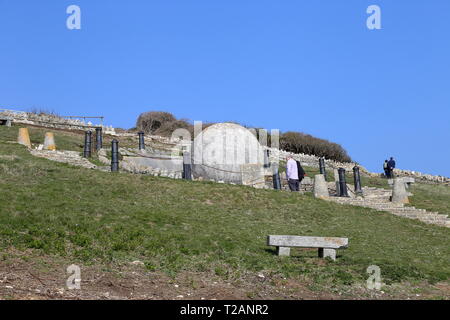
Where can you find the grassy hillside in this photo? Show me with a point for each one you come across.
(98, 218)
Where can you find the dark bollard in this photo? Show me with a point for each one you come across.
(87, 144)
(266, 159)
(187, 172)
(342, 183)
(276, 177)
(115, 156)
(357, 179)
(98, 139)
(322, 168)
(141, 140)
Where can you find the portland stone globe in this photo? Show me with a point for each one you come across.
(222, 152)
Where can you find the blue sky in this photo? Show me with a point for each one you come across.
(310, 66)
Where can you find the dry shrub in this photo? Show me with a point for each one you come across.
(149, 122)
(298, 142)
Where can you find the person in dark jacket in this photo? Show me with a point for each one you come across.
(386, 169)
(301, 172)
(391, 166)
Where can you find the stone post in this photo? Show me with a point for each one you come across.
(276, 177)
(399, 194)
(87, 144)
(357, 180)
(266, 159)
(342, 183)
(320, 187)
(187, 166)
(24, 137)
(114, 156)
(323, 168)
(49, 142)
(141, 140)
(336, 182)
(98, 138)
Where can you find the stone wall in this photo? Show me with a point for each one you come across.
(52, 121)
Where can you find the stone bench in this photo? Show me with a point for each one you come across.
(327, 246)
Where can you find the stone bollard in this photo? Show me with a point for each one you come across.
(98, 139)
(322, 167)
(276, 177)
(342, 183)
(320, 187)
(49, 142)
(24, 137)
(141, 140)
(87, 144)
(187, 166)
(336, 182)
(266, 159)
(114, 156)
(399, 194)
(357, 180)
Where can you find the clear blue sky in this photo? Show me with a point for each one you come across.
(310, 66)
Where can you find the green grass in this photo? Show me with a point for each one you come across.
(101, 218)
(433, 197)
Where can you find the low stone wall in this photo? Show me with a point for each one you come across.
(52, 121)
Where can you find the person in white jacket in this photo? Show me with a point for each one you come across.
(292, 174)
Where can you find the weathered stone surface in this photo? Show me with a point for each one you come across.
(221, 150)
(49, 142)
(24, 137)
(320, 187)
(283, 251)
(327, 253)
(307, 242)
(252, 175)
(399, 194)
(336, 181)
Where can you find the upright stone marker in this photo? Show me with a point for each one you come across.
(399, 194)
(276, 177)
(357, 180)
(24, 137)
(187, 166)
(320, 187)
(141, 140)
(322, 167)
(49, 142)
(87, 144)
(114, 156)
(98, 138)
(336, 181)
(342, 183)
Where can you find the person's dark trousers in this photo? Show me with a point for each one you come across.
(391, 173)
(294, 184)
(386, 173)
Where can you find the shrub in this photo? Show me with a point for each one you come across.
(149, 122)
(298, 142)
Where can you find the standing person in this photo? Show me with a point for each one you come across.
(301, 172)
(391, 166)
(292, 174)
(386, 169)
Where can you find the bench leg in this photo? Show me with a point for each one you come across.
(283, 251)
(331, 253)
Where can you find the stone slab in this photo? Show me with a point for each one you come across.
(307, 242)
